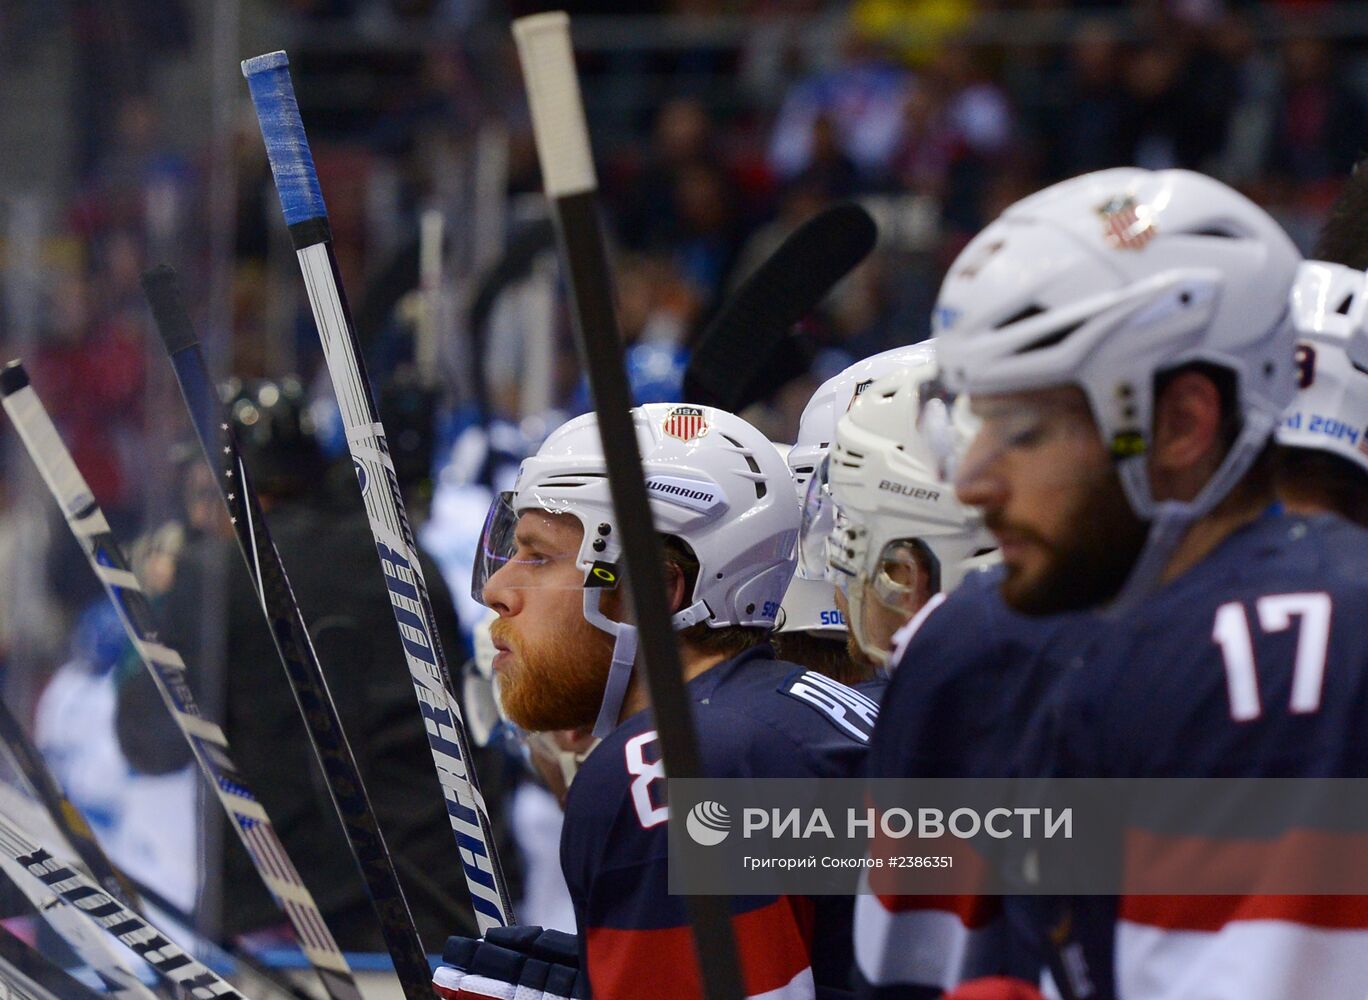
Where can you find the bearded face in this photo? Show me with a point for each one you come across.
(551, 664)
(554, 671)
(1051, 496)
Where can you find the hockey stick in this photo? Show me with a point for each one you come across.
(109, 915)
(27, 974)
(207, 742)
(227, 954)
(287, 148)
(76, 831)
(741, 357)
(567, 166)
(94, 949)
(291, 635)
(29, 762)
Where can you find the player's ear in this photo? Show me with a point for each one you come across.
(675, 585)
(1187, 435)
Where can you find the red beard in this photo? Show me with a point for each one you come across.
(556, 683)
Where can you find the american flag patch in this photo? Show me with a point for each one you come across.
(686, 423)
(1122, 225)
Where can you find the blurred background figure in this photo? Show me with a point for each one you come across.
(320, 528)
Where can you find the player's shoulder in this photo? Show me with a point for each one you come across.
(973, 628)
(1261, 636)
(969, 679)
(1280, 553)
(754, 716)
(763, 717)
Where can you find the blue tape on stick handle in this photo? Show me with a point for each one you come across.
(287, 147)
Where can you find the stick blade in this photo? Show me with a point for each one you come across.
(735, 360)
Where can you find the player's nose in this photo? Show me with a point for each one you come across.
(497, 595)
(977, 482)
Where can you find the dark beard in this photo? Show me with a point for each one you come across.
(1089, 568)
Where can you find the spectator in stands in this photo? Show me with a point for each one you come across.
(1319, 129)
(864, 97)
(1082, 121)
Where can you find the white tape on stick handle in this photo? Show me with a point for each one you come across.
(548, 66)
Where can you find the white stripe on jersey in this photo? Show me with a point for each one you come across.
(1245, 960)
(922, 947)
(800, 987)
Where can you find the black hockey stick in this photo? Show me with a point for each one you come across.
(207, 742)
(72, 825)
(29, 975)
(291, 635)
(744, 353)
(95, 949)
(567, 165)
(287, 149)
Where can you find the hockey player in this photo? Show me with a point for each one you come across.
(961, 693)
(1126, 343)
(1323, 461)
(723, 501)
(812, 629)
(899, 539)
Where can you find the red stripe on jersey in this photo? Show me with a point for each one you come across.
(973, 911)
(1295, 863)
(774, 942)
(1211, 913)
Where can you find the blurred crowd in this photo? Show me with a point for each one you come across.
(720, 125)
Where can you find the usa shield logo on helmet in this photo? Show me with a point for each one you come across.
(1123, 226)
(687, 423)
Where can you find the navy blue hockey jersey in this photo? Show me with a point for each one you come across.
(970, 680)
(756, 717)
(1252, 664)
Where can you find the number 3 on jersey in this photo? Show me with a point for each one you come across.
(1232, 633)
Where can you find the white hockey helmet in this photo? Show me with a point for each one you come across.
(889, 474)
(1330, 411)
(810, 605)
(714, 482)
(1109, 279)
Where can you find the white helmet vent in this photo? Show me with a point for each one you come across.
(761, 488)
(1211, 232)
(573, 482)
(1020, 316)
(1050, 339)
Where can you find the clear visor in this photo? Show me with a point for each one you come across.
(819, 518)
(945, 425)
(531, 549)
(1002, 424)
